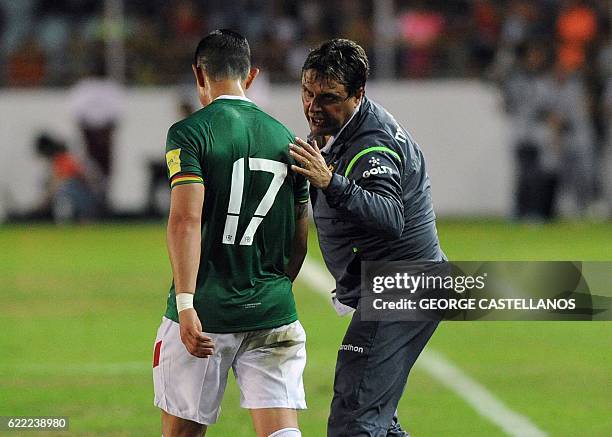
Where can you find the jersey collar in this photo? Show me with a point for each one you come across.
(233, 97)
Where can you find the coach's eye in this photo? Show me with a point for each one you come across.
(330, 99)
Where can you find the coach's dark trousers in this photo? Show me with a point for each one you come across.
(371, 373)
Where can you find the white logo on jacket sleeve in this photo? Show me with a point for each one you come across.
(400, 135)
(377, 168)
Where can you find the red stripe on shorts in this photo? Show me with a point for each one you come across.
(156, 354)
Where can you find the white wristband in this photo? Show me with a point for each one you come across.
(184, 301)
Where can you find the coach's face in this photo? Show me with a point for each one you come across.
(327, 104)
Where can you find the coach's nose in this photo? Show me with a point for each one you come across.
(314, 108)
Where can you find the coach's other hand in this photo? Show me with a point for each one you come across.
(312, 164)
(197, 344)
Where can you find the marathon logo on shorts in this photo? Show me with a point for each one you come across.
(351, 348)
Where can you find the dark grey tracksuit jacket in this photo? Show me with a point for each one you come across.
(378, 204)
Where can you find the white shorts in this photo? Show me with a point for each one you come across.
(268, 365)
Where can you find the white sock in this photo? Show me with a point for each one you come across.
(286, 432)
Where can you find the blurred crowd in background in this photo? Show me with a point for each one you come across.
(54, 42)
(551, 58)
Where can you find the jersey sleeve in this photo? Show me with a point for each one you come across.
(301, 186)
(300, 189)
(369, 190)
(183, 160)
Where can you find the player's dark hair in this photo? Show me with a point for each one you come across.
(224, 54)
(341, 60)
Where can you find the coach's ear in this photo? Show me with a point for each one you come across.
(199, 75)
(253, 72)
(359, 95)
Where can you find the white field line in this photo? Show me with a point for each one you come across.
(444, 371)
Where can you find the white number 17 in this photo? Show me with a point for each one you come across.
(279, 170)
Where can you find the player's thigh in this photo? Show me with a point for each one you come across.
(173, 426)
(269, 420)
(269, 368)
(186, 386)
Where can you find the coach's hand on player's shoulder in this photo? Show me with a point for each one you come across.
(312, 164)
(198, 344)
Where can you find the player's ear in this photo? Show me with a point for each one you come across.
(198, 72)
(253, 72)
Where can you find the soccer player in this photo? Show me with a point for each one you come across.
(237, 238)
(371, 200)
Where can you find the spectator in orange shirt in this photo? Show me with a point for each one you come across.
(25, 67)
(576, 31)
(70, 197)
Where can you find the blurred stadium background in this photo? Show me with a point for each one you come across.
(510, 100)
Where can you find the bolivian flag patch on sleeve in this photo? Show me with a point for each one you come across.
(173, 159)
(186, 178)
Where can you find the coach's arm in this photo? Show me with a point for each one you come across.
(184, 245)
(376, 204)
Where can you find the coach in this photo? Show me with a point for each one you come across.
(371, 199)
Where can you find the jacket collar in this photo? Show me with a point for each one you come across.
(333, 139)
(351, 127)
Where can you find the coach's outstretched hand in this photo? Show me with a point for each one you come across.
(198, 344)
(312, 164)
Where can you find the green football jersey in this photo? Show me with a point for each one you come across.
(241, 155)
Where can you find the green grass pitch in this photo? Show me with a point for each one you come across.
(80, 307)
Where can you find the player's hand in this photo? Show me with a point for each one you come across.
(312, 164)
(198, 344)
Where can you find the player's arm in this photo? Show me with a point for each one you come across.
(184, 235)
(300, 241)
(184, 243)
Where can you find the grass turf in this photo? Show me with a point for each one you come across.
(80, 307)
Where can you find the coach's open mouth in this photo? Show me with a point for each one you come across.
(317, 121)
